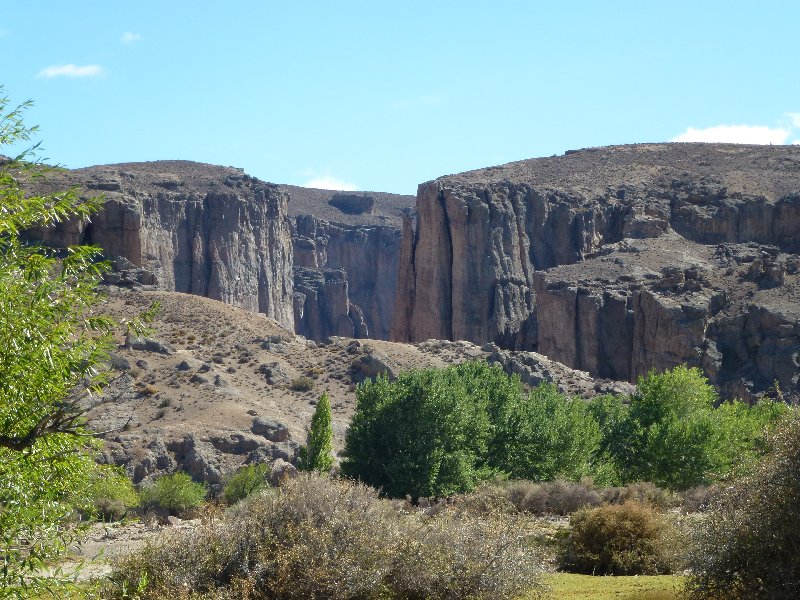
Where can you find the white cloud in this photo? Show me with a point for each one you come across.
(70, 71)
(328, 182)
(130, 38)
(795, 117)
(735, 134)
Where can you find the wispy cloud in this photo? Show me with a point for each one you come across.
(70, 70)
(329, 182)
(130, 38)
(795, 118)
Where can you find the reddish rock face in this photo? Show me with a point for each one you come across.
(617, 260)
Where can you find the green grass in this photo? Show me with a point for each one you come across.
(567, 586)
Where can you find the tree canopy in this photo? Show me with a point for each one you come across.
(53, 344)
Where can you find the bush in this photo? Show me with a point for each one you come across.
(111, 495)
(177, 494)
(552, 498)
(302, 384)
(746, 547)
(321, 538)
(623, 539)
(642, 492)
(245, 481)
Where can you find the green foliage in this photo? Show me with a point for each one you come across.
(667, 435)
(177, 494)
(546, 437)
(747, 545)
(317, 454)
(111, 494)
(427, 433)
(622, 539)
(673, 436)
(245, 481)
(439, 432)
(325, 538)
(52, 344)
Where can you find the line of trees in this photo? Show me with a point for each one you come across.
(438, 432)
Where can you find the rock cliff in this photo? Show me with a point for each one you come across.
(189, 227)
(617, 260)
(352, 241)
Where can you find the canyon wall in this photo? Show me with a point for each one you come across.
(189, 227)
(346, 251)
(617, 260)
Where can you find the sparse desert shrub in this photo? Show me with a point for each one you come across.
(746, 546)
(177, 494)
(245, 481)
(302, 384)
(642, 492)
(148, 390)
(333, 539)
(111, 495)
(698, 499)
(620, 539)
(552, 498)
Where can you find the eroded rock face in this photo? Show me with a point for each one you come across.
(359, 235)
(322, 306)
(617, 260)
(190, 227)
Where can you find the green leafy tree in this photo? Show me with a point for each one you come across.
(52, 346)
(317, 454)
(547, 436)
(429, 432)
(673, 436)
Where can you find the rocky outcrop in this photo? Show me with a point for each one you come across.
(357, 235)
(322, 306)
(189, 227)
(616, 261)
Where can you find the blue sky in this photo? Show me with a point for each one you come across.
(383, 96)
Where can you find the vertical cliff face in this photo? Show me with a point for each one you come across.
(352, 241)
(194, 228)
(616, 261)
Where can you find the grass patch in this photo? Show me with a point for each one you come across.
(566, 586)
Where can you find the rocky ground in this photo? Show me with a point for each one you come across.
(214, 386)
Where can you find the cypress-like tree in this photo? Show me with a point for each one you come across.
(317, 454)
